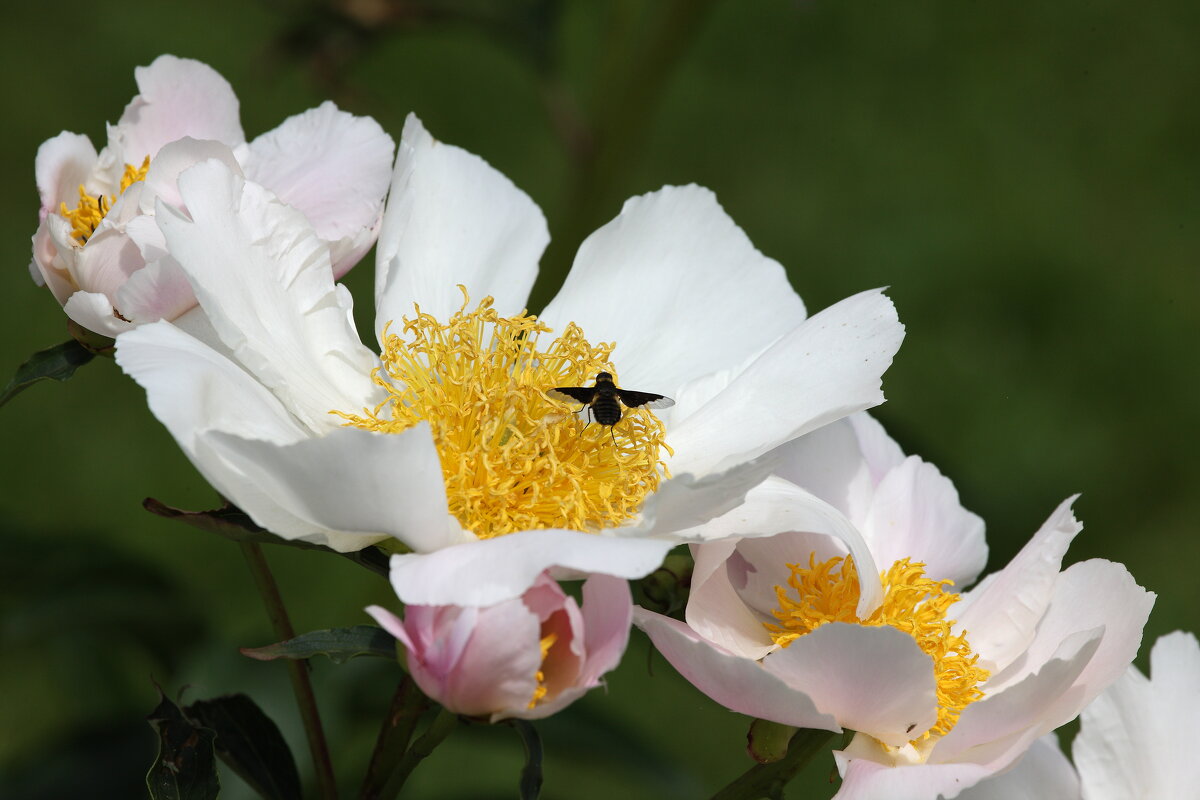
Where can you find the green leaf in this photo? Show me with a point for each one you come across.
(250, 743)
(531, 774)
(339, 644)
(185, 768)
(234, 524)
(55, 363)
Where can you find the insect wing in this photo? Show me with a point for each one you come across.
(634, 399)
(573, 394)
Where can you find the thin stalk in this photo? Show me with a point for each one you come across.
(768, 780)
(407, 706)
(306, 701)
(435, 734)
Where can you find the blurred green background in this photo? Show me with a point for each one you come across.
(1023, 176)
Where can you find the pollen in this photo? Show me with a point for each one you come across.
(92, 209)
(829, 591)
(512, 458)
(539, 694)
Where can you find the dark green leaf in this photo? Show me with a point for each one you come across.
(250, 743)
(531, 774)
(55, 363)
(185, 768)
(234, 524)
(339, 644)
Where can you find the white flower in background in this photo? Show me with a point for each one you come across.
(942, 689)
(1136, 741)
(450, 443)
(527, 657)
(97, 246)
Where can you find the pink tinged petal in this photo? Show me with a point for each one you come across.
(879, 451)
(392, 624)
(160, 290)
(489, 571)
(363, 485)
(1001, 614)
(1043, 773)
(607, 614)
(264, 280)
(829, 462)
(62, 165)
(453, 219)
(685, 504)
(331, 165)
(679, 287)
(94, 311)
(864, 779)
(820, 371)
(177, 97)
(739, 684)
(915, 514)
(996, 730)
(777, 506)
(498, 669)
(162, 179)
(716, 612)
(871, 679)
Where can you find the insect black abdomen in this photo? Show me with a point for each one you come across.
(606, 410)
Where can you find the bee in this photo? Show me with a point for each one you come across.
(602, 399)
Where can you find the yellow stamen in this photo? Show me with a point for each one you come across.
(912, 603)
(540, 692)
(512, 458)
(86, 217)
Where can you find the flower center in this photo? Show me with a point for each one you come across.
(828, 592)
(86, 217)
(539, 694)
(512, 458)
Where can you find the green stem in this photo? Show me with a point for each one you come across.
(768, 780)
(408, 704)
(437, 731)
(306, 701)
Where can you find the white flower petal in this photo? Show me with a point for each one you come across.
(871, 679)
(177, 97)
(864, 779)
(358, 483)
(737, 683)
(822, 370)
(490, 571)
(162, 179)
(94, 311)
(1002, 613)
(777, 506)
(264, 279)
(453, 219)
(159, 290)
(829, 462)
(680, 289)
(331, 165)
(915, 514)
(62, 165)
(1043, 773)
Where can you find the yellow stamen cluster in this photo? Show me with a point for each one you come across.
(86, 217)
(512, 458)
(829, 592)
(540, 692)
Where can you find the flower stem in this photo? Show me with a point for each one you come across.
(408, 704)
(768, 780)
(437, 731)
(306, 701)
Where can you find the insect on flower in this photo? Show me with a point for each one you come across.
(602, 399)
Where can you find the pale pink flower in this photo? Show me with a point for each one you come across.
(528, 657)
(97, 247)
(1037, 642)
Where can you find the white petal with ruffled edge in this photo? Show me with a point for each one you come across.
(331, 165)
(827, 367)
(489, 571)
(680, 289)
(265, 281)
(1043, 773)
(177, 97)
(735, 682)
(453, 219)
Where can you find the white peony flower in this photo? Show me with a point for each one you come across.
(97, 246)
(450, 443)
(942, 689)
(1135, 740)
